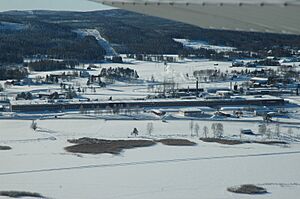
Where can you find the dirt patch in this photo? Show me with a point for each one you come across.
(223, 141)
(247, 189)
(270, 142)
(20, 194)
(176, 142)
(98, 146)
(5, 148)
(235, 142)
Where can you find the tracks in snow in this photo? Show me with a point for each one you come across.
(147, 162)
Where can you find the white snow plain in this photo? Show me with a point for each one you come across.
(39, 163)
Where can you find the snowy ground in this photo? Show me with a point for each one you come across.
(39, 163)
(132, 90)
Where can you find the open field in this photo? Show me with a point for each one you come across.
(52, 161)
(135, 89)
(39, 163)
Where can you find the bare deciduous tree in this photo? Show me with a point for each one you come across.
(214, 129)
(191, 126)
(262, 129)
(33, 125)
(220, 130)
(290, 131)
(269, 133)
(150, 128)
(81, 110)
(217, 129)
(196, 129)
(277, 129)
(205, 131)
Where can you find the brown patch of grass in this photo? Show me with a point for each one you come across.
(177, 142)
(98, 146)
(270, 142)
(247, 189)
(235, 142)
(223, 141)
(5, 148)
(20, 194)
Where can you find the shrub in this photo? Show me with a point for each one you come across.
(247, 189)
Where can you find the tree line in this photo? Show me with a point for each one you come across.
(13, 73)
(49, 65)
(119, 73)
(45, 38)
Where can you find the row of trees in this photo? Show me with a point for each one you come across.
(152, 36)
(17, 73)
(24, 96)
(210, 75)
(119, 73)
(217, 130)
(263, 129)
(47, 65)
(115, 110)
(44, 35)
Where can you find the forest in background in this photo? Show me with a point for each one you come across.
(51, 33)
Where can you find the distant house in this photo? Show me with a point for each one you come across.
(251, 65)
(84, 74)
(224, 94)
(54, 95)
(193, 112)
(2, 108)
(262, 111)
(222, 114)
(237, 63)
(190, 90)
(215, 90)
(158, 112)
(259, 80)
(247, 132)
(8, 84)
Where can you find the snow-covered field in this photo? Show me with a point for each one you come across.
(38, 163)
(138, 89)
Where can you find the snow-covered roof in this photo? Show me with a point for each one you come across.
(191, 110)
(258, 79)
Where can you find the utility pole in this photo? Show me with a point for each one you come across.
(197, 87)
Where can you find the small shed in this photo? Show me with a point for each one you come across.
(192, 112)
(247, 132)
(259, 80)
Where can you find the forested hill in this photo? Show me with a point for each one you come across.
(28, 33)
